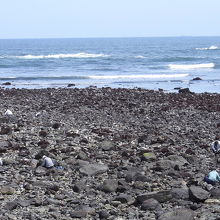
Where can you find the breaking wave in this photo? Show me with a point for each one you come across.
(149, 76)
(191, 66)
(208, 48)
(60, 56)
(140, 57)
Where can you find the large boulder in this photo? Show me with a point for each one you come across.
(161, 196)
(150, 204)
(109, 186)
(107, 145)
(93, 169)
(215, 193)
(180, 193)
(197, 194)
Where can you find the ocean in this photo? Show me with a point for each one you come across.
(166, 63)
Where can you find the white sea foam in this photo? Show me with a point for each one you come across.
(59, 56)
(208, 48)
(140, 57)
(191, 66)
(148, 76)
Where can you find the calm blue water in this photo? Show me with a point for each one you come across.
(149, 63)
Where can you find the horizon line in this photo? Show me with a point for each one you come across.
(36, 38)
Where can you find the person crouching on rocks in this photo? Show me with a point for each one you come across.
(47, 162)
(212, 178)
(216, 149)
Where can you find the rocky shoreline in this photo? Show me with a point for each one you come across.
(125, 153)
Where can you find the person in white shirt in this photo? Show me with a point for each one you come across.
(47, 162)
(216, 147)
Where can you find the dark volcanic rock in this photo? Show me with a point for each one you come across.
(11, 205)
(124, 198)
(5, 130)
(162, 196)
(109, 185)
(198, 194)
(78, 214)
(107, 145)
(150, 204)
(71, 85)
(215, 193)
(6, 83)
(103, 214)
(184, 90)
(180, 193)
(93, 169)
(197, 78)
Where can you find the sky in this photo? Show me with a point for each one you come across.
(108, 18)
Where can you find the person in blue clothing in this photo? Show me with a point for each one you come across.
(212, 178)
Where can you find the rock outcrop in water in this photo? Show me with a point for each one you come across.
(126, 154)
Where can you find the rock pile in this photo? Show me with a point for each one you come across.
(126, 154)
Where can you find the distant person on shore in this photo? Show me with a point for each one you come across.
(47, 162)
(212, 178)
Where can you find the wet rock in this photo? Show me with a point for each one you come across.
(184, 90)
(56, 125)
(71, 85)
(197, 78)
(6, 83)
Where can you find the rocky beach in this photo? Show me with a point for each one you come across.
(122, 154)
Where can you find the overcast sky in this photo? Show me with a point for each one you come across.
(108, 18)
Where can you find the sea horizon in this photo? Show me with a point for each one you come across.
(154, 63)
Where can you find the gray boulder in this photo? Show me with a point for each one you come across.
(197, 194)
(151, 204)
(161, 196)
(180, 193)
(109, 185)
(93, 169)
(178, 214)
